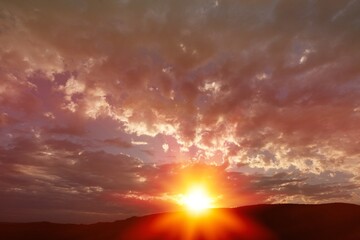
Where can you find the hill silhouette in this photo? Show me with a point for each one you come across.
(281, 221)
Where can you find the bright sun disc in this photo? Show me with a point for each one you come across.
(197, 200)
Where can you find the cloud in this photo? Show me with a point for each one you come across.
(216, 88)
(165, 147)
(294, 187)
(267, 86)
(6, 120)
(46, 172)
(59, 175)
(118, 142)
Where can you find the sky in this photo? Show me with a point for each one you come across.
(110, 109)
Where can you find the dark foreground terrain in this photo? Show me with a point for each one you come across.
(327, 221)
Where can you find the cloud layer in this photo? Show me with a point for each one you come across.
(98, 98)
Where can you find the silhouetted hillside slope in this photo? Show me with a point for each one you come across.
(288, 221)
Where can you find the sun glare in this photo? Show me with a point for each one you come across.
(197, 200)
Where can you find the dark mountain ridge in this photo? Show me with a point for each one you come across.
(278, 221)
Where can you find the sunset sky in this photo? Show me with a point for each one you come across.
(112, 108)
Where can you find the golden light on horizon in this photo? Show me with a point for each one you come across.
(197, 200)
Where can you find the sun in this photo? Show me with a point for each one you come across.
(197, 200)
